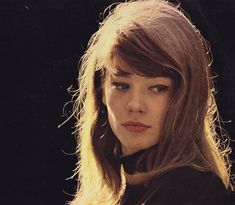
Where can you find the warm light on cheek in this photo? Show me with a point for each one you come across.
(110, 92)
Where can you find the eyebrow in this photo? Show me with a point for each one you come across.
(122, 73)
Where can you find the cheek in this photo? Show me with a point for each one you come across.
(114, 106)
(158, 112)
(113, 100)
(114, 117)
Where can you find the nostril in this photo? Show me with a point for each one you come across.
(136, 108)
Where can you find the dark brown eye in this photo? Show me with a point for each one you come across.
(120, 86)
(159, 88)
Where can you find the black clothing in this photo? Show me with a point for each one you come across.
(181, 186)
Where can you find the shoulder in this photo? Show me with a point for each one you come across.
(186, 185)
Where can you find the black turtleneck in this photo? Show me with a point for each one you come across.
(129, 165)
(129, 161)
(181, 186)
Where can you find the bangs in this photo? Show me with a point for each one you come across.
(136, 53)
(123, 65)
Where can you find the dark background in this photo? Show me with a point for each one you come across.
(40, 46)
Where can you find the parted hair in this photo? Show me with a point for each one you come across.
(152, 37)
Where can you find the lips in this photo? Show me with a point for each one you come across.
(135, 126)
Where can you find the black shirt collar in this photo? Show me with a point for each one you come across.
(129, 161)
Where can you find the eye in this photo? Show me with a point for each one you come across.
(159, 88)
(120, 86)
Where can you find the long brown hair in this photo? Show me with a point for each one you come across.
(150, 36)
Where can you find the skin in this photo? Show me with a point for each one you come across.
(136, 98)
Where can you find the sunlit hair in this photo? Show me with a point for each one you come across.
(151, 38)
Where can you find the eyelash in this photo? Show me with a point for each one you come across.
(120, 86)
(161, 88)
(124, 86)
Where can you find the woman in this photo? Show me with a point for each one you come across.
(146, 112)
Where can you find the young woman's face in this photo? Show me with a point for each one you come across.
(136, 108)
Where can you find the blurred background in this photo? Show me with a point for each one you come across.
(41, 43)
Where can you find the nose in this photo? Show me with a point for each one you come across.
(136, 103)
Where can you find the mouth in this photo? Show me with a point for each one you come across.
(135, 126)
